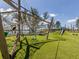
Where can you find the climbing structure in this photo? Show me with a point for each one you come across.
(18, 35)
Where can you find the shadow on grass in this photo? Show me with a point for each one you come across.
(35, 47)
(14, 54)
(28, 50)
(32, 48)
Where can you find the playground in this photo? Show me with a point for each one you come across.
(67, 49)
(24, 34)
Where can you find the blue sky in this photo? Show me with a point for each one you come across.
(64, 9)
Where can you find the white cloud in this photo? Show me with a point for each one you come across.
(2, 10)
(41, 15)
(72, 20)
(52, 15)
(9, 9)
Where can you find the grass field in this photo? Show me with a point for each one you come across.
(68, 47)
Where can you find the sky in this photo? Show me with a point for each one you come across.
(66, 11)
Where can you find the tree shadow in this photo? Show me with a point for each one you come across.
(14, 54)
(31, 49)
(28, 51)
(34, 47)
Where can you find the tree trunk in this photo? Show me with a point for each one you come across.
(19, 18)
(18, 34)
(49, 28)
(3, 44)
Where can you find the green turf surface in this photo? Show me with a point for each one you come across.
(68, 47)
(0, 56)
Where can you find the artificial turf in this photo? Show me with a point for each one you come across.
(68, 46)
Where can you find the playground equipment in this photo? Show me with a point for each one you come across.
(10, 3)
(18, 35)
